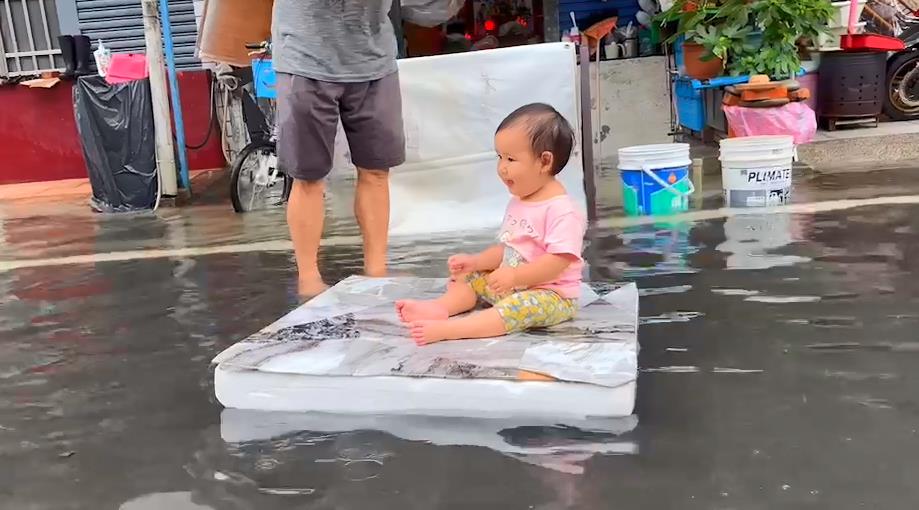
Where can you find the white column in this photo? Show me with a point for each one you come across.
(162, 117)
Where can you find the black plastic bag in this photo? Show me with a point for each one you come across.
(117, 134)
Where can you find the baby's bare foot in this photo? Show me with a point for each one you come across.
(411, 311)
(426, 332)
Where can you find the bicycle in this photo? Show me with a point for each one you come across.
(256, 180)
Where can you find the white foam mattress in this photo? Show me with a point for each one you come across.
(346, 352)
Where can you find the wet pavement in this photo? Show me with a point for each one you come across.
(778, 366)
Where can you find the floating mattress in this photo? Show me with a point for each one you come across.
(346, 352)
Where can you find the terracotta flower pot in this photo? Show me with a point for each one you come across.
(698, 68)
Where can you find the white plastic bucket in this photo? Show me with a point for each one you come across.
(655, 178)
(756, 170)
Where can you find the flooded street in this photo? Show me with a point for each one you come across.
(778, 365)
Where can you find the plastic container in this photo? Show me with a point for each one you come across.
(855, 41)
(125, 67)
(832, 39)
(852, 84)
(810, 81)
(678, 57)
(698, 68)
(655, 179)
(870, 42)
(265, 78)
(689, 105)
(103, 58)
(574, 34)
(841, 17)
(756, 170)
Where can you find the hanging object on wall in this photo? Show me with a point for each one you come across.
(430, 13)
(228, 25)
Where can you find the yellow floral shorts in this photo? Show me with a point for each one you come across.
(526, 309)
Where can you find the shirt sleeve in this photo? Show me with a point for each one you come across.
(565, 234)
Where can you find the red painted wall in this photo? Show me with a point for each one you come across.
(39, 140)
(195, 88)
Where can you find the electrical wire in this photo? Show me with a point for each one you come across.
(212, 119)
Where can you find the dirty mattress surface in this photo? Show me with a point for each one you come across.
(353, 330)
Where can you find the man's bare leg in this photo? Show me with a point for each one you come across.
(484, 324)
(371, 208)
(305, 218)
(459, 298)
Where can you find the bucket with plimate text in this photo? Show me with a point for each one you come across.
(655, 178)
(756, 170)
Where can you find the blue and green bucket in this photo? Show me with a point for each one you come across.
(655, 179)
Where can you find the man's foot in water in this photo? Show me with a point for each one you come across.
(311, 286)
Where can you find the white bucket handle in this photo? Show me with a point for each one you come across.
(669, 187)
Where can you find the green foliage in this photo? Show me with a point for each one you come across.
(751, 36)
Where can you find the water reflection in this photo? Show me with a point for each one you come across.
(273, 460)
(539, 442)
(644, 250)
(161, 500)
(342, 461)
(752, 239)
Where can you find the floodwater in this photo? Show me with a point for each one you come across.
(779, 356)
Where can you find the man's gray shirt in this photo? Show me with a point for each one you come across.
(334, 40)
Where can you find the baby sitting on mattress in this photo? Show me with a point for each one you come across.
(532, 278)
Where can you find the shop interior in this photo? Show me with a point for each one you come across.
(623, 28)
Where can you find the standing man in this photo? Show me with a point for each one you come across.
(336, 59)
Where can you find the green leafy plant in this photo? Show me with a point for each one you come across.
(724, 41)
(689, 16)
(781, 23)
(751, 36)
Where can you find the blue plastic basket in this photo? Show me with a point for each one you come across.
(689, 105)
(265, 79)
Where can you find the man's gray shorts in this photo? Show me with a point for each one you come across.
(308, 113)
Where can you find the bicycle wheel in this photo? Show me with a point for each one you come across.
(255, 181)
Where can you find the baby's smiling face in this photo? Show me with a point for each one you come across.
(522, 171)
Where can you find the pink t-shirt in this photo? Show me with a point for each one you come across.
(556, 226)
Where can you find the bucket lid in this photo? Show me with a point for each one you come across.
(754, 148)
(662, 155)
(766, 141)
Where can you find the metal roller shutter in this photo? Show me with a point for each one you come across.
(120, 25)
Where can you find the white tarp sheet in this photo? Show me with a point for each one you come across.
(452, 105)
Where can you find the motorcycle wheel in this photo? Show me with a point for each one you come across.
(901, 102)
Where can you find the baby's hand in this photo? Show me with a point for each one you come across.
(461, 263)
(502, 281)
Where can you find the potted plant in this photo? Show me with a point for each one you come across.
(706, 33)
(781, 24)
(745, 36)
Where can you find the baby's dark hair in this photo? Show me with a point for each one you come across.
(549, 132)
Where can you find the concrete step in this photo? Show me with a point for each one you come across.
(889, 143)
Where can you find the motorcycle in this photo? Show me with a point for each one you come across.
(902, 99)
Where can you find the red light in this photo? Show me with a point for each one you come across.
(468, 37)
(490, 25)
(522, 21)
